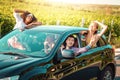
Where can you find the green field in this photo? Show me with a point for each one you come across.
(66, 14)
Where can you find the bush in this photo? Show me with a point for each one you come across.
(6, 25)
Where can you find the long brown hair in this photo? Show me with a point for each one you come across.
(24, 15)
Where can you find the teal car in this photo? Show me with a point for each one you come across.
(34, 54)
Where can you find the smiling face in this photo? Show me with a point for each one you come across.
(70, 42)
(29, 18)
(93, 27)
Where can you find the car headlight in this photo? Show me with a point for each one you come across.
(11, 78)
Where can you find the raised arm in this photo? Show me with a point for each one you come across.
(104, 28)
(33, 24)
(20, 11)
(78, 51)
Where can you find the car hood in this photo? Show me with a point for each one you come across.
(13, 64)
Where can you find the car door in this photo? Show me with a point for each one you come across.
(87, 65)
(90, 62)
(83, 67)
(62, 67)
(77, 68)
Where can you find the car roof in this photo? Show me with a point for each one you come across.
(58, 28)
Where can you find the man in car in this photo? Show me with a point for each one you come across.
(69, 44)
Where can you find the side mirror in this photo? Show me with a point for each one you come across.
(69, 54)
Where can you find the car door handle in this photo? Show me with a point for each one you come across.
(102, 55)
(84, 62)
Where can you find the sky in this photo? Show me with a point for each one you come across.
(113, 2)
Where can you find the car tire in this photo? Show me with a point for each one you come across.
(106, 74)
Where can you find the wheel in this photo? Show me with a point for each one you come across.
(106, 74)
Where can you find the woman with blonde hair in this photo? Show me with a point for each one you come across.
(93, 32)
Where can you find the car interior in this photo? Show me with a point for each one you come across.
(59, 58)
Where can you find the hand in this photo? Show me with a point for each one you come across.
(45, 43)
(20, 11)
(62, 47)
(26, 12)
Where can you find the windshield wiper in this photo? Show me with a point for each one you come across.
(15, 54)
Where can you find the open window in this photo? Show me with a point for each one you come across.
(83, 35)
(69, 53)
(101, 42)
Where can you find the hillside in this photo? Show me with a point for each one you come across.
(66, 14)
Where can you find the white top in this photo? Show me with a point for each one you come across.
(19, 22)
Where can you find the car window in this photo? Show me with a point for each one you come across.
(101, 42)
(83, 35)
(30, 43)
(59, 57)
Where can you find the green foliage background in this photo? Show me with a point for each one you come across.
(66, 14)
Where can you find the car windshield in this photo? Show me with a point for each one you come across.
(31, 43)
